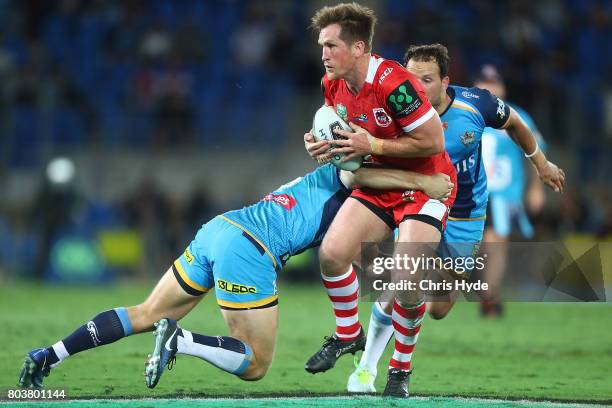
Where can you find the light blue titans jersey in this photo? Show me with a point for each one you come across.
(297, 215)
(470, 111)
(504, 160)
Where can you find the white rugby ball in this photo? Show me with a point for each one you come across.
(325, 121)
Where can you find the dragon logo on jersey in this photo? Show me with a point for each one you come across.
(404, 100)
(382, 119)
(468, 138)
(283, 199)
(341, 109)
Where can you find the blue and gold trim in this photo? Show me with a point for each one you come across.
(253, 239)
(186, 283)
(257, 304)
(484, 217)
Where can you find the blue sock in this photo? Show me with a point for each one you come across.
(105, 328)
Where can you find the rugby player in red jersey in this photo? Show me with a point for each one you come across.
(399, 128)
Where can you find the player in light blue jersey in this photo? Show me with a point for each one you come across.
(238, 254)
(465, 113)
(507, 179)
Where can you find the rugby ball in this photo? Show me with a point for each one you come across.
(323, 125)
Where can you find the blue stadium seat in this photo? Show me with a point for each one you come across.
(68, 128)
(25, 145)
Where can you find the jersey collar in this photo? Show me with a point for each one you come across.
(450, 91)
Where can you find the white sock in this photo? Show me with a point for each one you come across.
(227, 353)
(380, 331)
(60, 352)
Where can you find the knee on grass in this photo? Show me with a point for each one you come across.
(254, 372)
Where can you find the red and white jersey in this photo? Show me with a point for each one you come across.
(390, 104)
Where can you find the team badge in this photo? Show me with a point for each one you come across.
(381, 117)
(444, 125)
(341, 109)
(468, 138)
(404, 100)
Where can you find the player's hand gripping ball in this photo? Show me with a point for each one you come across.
(323, 125)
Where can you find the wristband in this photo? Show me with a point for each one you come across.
(535, 151)
(376, 145)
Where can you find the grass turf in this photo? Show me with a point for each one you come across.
(537, 351)
(335, 402)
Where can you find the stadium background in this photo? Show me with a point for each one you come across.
(174, 111)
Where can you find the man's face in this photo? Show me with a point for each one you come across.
(495, 87)
(338, 57)
(428, 74)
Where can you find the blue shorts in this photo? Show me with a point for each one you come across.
(225, 256)
(505, 216)
(461, 239)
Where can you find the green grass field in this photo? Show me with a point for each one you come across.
(552, 352)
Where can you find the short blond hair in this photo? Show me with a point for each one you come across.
(356, 22)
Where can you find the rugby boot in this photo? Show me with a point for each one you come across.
(332, 349)
(397, 383)
(34, 368)
(164, 353)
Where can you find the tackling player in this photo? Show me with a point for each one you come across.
(399, 128)
(465, 113)
(504, 164)
(238, 253)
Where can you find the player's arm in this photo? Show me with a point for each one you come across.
(424, 141)
(534, 197)
(404, 98)
(417, 144)
(548, 172)
(499, 115)
(437, 186)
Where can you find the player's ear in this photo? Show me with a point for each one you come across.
(445, 82)
(358, 48)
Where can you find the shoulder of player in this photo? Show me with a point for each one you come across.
(465, 99)
(478, 99)
(389, 73)
(470, 94)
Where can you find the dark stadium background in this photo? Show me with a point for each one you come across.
(173, 111)
(124, 125)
